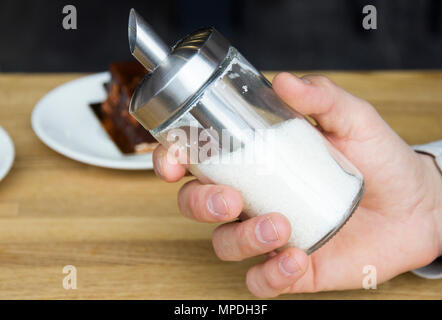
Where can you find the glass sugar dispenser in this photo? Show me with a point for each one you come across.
(220, 117)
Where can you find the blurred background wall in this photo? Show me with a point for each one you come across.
(272, 34)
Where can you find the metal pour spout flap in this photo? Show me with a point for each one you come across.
(176, 74)
(145, 45)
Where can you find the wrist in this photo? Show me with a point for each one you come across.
(434, 178)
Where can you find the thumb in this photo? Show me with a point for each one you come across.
(339, 114)
(358, 131)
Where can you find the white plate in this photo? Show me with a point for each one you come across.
(64, 121)
(7, 153)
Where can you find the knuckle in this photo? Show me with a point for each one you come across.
(193, 199)
(223, 249)
(329, 91)
(217, 247)
(269, 276)
(181, 200)
(188, 199)
(323, 81)
(237, 254)
(252, 283)
(244, 239)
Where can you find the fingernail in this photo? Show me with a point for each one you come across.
(288, 265)
(217, 205)
(266, 231)
(306, 81)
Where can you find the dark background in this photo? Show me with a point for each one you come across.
(272, 34)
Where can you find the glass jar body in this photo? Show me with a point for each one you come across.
(236, 131)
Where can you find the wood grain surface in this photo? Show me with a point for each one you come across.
(122, 230)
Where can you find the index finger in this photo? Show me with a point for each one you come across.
(164, 169)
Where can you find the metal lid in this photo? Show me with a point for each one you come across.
(174, 77)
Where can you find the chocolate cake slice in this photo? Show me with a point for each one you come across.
(113, 113)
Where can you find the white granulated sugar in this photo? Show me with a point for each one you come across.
(305, 183)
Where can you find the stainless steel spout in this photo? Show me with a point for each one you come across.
(145, 45)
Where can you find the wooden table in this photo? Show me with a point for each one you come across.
(122, 230)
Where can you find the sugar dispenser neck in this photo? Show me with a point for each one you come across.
(145, 45)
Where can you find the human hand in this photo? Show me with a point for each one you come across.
(397, 227)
